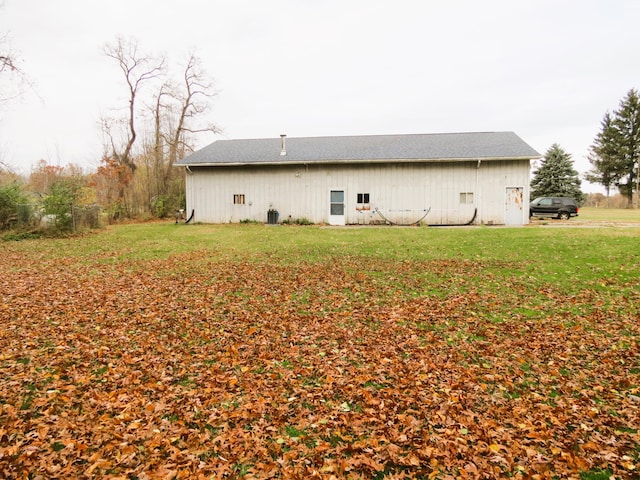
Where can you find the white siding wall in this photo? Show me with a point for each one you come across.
(402, 191)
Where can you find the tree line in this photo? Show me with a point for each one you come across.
(166, 109)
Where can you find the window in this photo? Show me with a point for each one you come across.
(466, 198)
(362, 201)
(238, 199)
(337, 202)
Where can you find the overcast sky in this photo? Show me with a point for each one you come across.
(547, 70)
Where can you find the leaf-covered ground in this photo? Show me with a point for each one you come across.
(196, 367)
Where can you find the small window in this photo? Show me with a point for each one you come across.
(363, 198)
(238, 199)
(466, 198)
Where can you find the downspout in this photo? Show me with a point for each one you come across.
(476, 198)
(193, 211)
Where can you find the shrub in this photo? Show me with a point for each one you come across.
(12, 208)
(58, 205)
(297, 221)
(63, 212)
(18, 236)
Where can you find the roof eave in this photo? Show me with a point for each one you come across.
(351, 161)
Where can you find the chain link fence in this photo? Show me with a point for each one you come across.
(60, 217)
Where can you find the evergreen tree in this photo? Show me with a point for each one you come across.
(615, 153)
(556, 176)
(605, 170)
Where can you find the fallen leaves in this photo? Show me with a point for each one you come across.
(193, 368)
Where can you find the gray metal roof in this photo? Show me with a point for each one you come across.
(368, 148)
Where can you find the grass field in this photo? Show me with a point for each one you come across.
(249, 351)
(614, 215)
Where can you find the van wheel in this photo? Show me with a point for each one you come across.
(564, 216)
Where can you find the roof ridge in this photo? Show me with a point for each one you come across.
(381, 135)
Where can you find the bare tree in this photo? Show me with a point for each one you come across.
(195, 100)
(186, 103)
(137, 69)
(177, 111)
(120, 134)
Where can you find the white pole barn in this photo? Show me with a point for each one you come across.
(433, 179)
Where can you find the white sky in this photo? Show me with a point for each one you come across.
(546, 69)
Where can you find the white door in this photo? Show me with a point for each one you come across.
(336, 207)
(514, 206)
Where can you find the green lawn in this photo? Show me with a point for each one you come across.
(610, 214)
(250, 351)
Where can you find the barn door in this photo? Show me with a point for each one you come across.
(336, 207)
(514, 206)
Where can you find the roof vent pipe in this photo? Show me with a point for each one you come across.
(283, 145)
